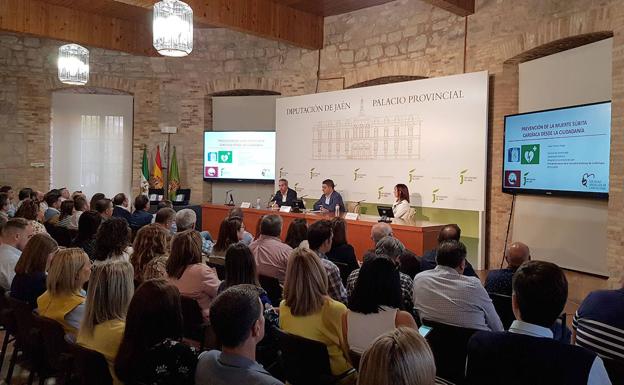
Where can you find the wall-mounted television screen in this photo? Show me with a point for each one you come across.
(239, 156)
(563, 151)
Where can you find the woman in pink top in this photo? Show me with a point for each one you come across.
(186, 271)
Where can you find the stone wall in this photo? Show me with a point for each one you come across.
(405, 37)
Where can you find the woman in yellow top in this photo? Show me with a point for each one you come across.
(308, 311)
(110, 291)
(63, 300)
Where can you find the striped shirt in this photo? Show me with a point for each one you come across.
(599, 323)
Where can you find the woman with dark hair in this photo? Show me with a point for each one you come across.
(30, 209)
(96, 197)
(231, 231)
(112, 240)
(67, 210)
(401, 206)
(80, 206)
(88, 225)
(30, 272)
(374, 305)
(187, 272)
(151, 351)
(240, 269)
(297, 234)
(342, 252)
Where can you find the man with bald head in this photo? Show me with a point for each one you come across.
(448, 233)
(499, 281)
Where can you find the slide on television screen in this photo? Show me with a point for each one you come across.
(560, 152)
(239, 155)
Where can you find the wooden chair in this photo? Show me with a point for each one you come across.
(28, 341)
(84, 366)
(502, 304)
(193, 320)
(54, 347)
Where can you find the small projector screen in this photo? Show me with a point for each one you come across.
(239, 155)
(564, 151)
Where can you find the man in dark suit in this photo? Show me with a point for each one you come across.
(285, 196)
(141, 216)
(527, 353)
(499, 281)
(120, 210)
(448, 233)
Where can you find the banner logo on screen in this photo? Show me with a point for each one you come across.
(211, 172)
(282, 172)
(530, 154)
(357, 175)
(590, 182)
(314, 174)
(512, 178)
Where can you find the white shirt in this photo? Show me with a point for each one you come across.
(363, 329)
(9, 256)
(597, 374)
(401, 209)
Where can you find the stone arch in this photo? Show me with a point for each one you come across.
(388, 69)
(386, 80)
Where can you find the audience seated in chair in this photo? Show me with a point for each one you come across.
(187, 272)
(186, 219)
(4, 206)
(30, 271)
(341, 251)
(15, 235)
(297, 234)
(398, 357)
(151, 351)
(448, 233)
(445, 295)
(320, 238)
(112, 240)
(230, 232)
(165, 217)
(237, 319)
(150, 253)
(308, 311)
(80, 206)
(120, 207)
(53, 201)
(110, 290)
(374, 305)
(240, 269)
(237, 212)
(96, 197)
(270, 253)
(88, 225)
(31, 210)
(141, 216)
(389, 248)
(105, 208)
(67, 210)
(64, 299)
(499, 281)
(527, 354)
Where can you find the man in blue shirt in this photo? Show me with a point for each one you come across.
(499, 281)
(236, 316)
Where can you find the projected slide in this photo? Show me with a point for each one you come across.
(563, 150)
(240, 155)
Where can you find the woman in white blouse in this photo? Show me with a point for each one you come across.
(401, 207)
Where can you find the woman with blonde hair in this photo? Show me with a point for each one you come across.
(30, 272)
(399, 357)
(308, 311)
(110, 291)
(187, 272)
(63, 301)
(151, 250)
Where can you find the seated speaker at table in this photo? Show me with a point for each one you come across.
(330, 198)
(285, 196)
(401, 206)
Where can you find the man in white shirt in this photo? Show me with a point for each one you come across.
(445, 295)
(15, 235)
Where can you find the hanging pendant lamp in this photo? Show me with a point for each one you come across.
(173, 28)
(73, 64)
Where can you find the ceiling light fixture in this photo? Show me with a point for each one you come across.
(73, 64)
(173, 28)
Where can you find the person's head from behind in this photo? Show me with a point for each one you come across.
(452, 254)
(69, 270)
(271, 225)
(185, 219)
(67, 208)
(449, 233)
(104, 207)
(165, 217)
(240, 266)
(399, 357)
(88, 225)
(24, 193)
(148, 322)
(186, 249)
(236, 212)
(283, 186)
(37, 255)
(4, 202)
(64, 193)
(17, 232)
(110, 289)
(339, 231)
(81, 204)
(401, 193)
(96, 197)
(328, 186)
(391, 248)
(320, 236)
(230, 231)
(29, 209)
(378, 284)
(165, 203)
(517, 254)
(141, 203)
(120, 200)
(236, 317)
(111, 239)
(380, 230)
(150, 242)
(305, 287)
(297, 232)
(53, 199)
(540, 291)
(9, 191)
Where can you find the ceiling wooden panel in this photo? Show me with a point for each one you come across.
(331, 7)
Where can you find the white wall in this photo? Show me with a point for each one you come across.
(243, 113)
(568, 231)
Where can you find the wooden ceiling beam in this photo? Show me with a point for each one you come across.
(42, 19)
(458, 7)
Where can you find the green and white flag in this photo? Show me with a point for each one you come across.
(145, 173)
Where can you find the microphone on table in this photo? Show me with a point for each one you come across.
(356, 209)
(231, 202)
(271, 199)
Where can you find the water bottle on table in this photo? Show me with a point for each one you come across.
(337, 211)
